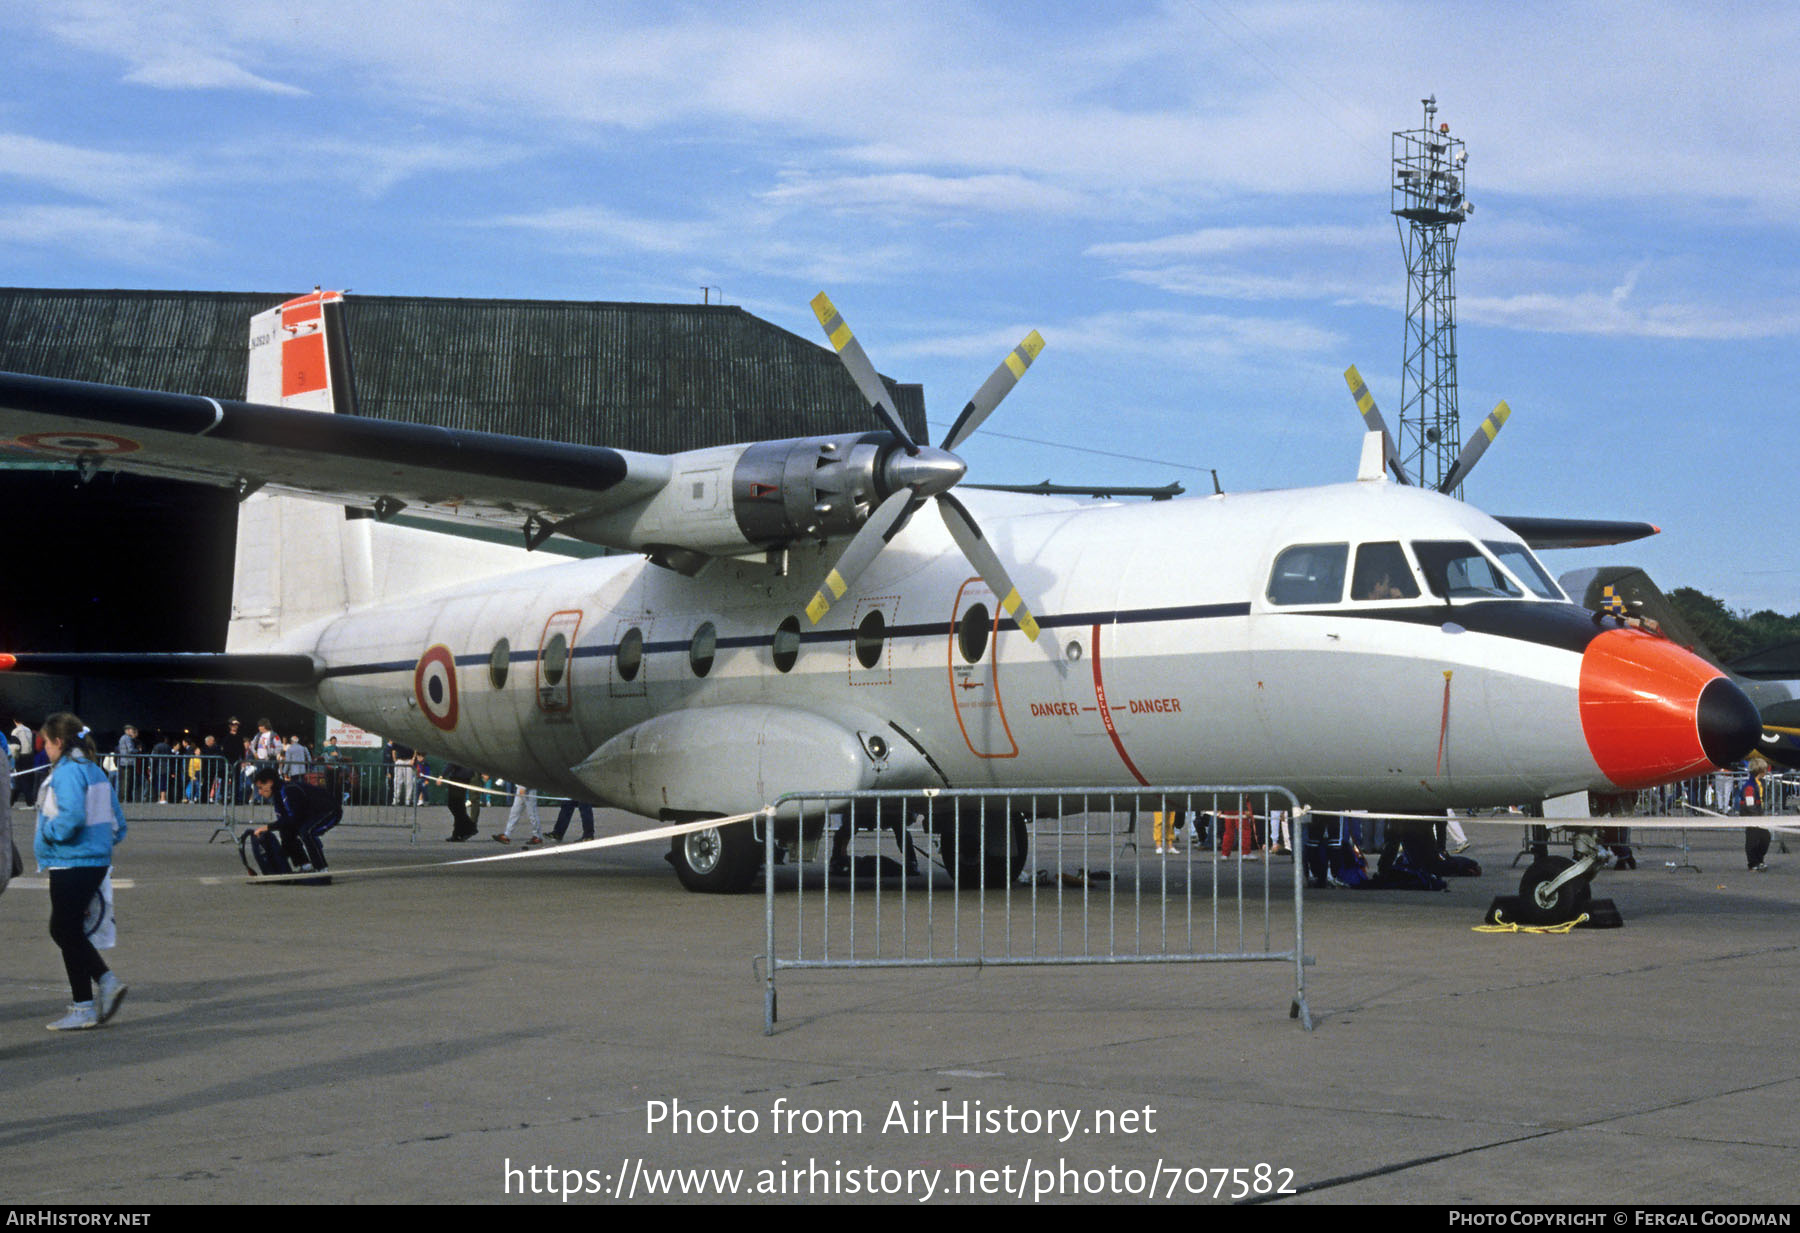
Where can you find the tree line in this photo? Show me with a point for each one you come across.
(1732, 634)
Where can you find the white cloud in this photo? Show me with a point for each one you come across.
(915, 193)
(1179, 338)
(740, 245)
(171, 46)
(1658, 100)
(186, 69)
(94, 231)
(100, 175)
(1615, 314)
(597, 229)
(1231, 241)
(1225, 284)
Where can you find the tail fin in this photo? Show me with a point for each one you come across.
(298, 561)
(301, 561)
(300, 356)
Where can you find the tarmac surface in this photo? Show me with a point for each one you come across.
(504, 1032)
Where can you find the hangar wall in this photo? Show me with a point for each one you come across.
(131, 564)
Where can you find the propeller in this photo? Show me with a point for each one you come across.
(1472, 450)
(1476, 446)
(921, 473)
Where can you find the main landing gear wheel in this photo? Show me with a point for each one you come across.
(717, 860)
(960, 847)
(1536, 907)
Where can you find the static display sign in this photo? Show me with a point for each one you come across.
(349, 736)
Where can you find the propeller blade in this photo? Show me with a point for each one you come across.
(862, 369)
(1476, 446)
(996, 387)
(1365, 402)
(974, 545)
(885, 523)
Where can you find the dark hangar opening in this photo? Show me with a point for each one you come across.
(133, 564)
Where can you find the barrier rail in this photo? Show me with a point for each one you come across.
(1097, 894)
(219, 790)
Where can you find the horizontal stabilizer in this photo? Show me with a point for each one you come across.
(1776, 663)
(1575, 532)
(203, 668)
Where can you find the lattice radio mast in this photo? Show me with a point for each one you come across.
(1429, 205)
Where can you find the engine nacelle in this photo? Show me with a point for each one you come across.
(733, 499)
(810, 488)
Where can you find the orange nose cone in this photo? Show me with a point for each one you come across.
(1653, 713)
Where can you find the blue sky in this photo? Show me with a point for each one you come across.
(1188, 200)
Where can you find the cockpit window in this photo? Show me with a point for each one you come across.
(1457, 570)
(1382, 573)
(1518, 558)
(1309, 574)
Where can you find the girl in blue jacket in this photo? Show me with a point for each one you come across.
(78, 822)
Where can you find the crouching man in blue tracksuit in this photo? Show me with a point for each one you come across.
(302, 814)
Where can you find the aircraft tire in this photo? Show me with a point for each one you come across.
(721, 860)
(959, 846)
(1571, 898)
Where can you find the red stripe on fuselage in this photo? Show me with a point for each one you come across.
(1106, 715)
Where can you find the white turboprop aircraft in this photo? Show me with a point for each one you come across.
(1369, 645)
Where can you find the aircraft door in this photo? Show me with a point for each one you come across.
(974, 673)
(556, 665)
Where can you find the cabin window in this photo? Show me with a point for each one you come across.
(630, 655)
(785, 649)
(1457, 570)
(1382, 573)
(972, 633)
(703, 648)
(870, 635)
(556, 658)
(1309, 574)
(498, 663)
(1525, 567)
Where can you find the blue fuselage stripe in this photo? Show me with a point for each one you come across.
(927, 629)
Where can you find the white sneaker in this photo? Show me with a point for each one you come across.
(107, 997)
(81, 1016)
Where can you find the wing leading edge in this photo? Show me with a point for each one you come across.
(441, 473)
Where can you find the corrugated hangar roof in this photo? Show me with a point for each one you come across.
(653, 377)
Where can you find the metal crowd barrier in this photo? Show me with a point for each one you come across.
(985, 878)
(172, 787)
(219, 790)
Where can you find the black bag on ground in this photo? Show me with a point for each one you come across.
(261, 853)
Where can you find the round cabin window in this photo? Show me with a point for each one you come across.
(630, 655)
(972, 633)
(870, 635)
(703, 648)
(498, 663)
(556, 658)
(785, 649)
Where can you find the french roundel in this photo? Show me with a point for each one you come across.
(434, 684)
(78, 442)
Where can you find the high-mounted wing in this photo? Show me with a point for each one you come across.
(1574, 532)
(448, 473)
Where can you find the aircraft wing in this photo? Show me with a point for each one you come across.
(1574, 532)
(440, 473)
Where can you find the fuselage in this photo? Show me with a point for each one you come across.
(1243, 638)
